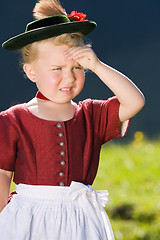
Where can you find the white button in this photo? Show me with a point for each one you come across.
(61, 174)
(59, 125)
(63, 163)
(61, 184)
(60, 134)
(61, 144)
(62, 153)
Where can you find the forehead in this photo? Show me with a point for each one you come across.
(47, 50)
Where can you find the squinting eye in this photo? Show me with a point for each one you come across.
(78, 67)
(56, 69)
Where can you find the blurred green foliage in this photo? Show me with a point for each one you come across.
(131, 174)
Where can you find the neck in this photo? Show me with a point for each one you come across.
(53, 111)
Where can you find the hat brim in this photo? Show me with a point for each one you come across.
(43, 33)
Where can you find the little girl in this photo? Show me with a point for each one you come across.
(53, 144)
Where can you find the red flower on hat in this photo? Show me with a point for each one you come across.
(75, 16)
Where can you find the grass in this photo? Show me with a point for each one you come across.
(131, 174)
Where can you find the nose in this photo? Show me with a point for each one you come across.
(69, 76)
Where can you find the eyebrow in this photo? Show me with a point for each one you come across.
(76, 64)
(57, 65)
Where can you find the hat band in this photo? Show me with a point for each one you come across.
(45, 22)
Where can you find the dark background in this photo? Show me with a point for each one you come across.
(127, 38)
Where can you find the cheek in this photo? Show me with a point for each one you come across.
(48, 82)
(80, 74)
(52, 78)
(81, 77)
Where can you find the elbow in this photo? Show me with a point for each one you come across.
(138, 104)
(141, 102)
(131, 108)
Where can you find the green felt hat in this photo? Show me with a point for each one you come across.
(47, 28)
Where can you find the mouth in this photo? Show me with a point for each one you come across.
(66, 90)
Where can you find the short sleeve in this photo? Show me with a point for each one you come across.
(8, 143)
(106, 115)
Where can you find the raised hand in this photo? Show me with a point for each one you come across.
(130, 97)
(83, 55)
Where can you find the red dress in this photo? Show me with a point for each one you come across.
(42, 152)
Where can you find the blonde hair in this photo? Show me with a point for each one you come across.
(43, 9)
(30, 52)
(46, 8)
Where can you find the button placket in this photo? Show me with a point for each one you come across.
(62, 154)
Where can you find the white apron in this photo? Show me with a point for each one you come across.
(56, 213)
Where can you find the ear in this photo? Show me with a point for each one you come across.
(29, 71)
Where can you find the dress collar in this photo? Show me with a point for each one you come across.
(41, 96)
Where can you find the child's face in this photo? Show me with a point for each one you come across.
(58, 78)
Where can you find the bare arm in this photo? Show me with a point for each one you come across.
(5, 181)
(130, 97)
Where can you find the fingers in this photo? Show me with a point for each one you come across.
(83, 55)
(77, 52)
